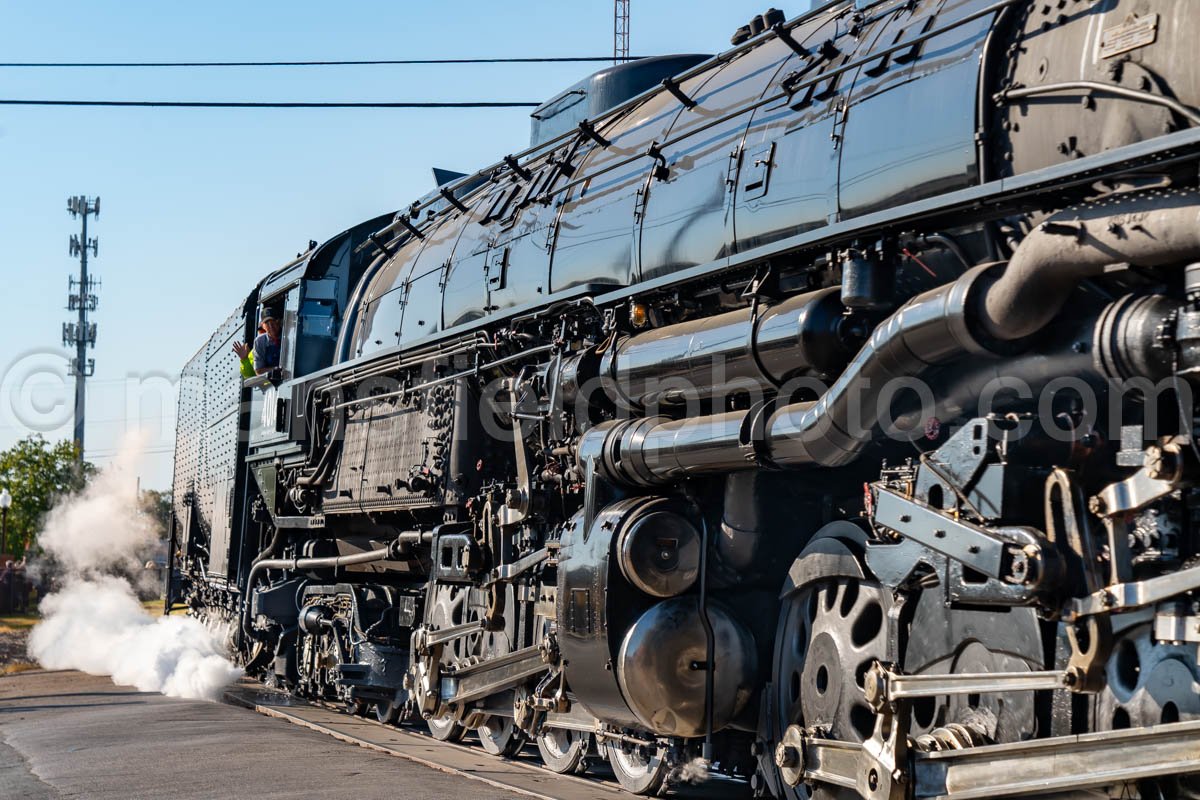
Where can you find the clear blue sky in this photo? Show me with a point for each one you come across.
(197, 204)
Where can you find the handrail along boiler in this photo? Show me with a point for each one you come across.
(823, 410)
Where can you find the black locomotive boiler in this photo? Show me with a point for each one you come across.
(823, 409)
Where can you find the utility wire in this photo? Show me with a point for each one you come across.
(225, 104)
(367, 63)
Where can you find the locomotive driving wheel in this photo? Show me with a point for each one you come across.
(829, 636)
(452, 607)
(639, 770)
(830, 633)
(499, 736)
(564, 751)
(1150, 683)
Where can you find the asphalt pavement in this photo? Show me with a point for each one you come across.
(70, 735)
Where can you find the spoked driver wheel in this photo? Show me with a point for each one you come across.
(564, 751)
(500, 737)
(446, 729)
(829, 636)
(638, 772)
(1151, 683)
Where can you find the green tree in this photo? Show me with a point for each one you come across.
(36, 474)
(157, 506)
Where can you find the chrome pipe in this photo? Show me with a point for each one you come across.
(751, 349)
(325, 562)
(979, 315)
(930, 329)
(1155, 228)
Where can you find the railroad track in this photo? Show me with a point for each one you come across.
(521, 775)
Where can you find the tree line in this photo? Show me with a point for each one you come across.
(37, 474)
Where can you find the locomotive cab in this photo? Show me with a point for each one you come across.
(311, 295)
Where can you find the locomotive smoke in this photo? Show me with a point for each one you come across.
(95, 622)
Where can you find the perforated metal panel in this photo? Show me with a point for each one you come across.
(189, 439)
(207, 439)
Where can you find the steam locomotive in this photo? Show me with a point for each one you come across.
(822, 410)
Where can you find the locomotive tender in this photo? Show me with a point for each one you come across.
(823, 409)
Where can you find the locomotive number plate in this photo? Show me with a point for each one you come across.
(1133, 33)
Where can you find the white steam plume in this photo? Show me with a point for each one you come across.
(95, 623)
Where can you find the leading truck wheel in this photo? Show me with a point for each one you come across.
(564, 751)
(638, 770)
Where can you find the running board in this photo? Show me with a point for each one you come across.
(1020, 769)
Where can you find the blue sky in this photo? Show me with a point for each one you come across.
(197, 204)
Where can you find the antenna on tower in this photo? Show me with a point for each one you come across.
(620, 31)
(82, 299)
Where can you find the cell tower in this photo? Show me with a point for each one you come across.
(82, 299)
(620, 31)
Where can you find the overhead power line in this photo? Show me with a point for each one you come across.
(364, 63)
(227, 104)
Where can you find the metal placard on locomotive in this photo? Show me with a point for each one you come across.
(1131, 34)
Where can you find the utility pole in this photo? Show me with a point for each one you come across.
(620, 31)
(81, 334)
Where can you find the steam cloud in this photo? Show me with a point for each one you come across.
(95, 623)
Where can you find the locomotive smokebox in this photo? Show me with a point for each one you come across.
(662, 667)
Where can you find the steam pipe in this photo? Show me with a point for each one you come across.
(930, 329)
(967, 317)
(710, 648)
(326, 562)
(948, 244)
(324, 463)
(272, 546)
(1149, 229)
(751, 351)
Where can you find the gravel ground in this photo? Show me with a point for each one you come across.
(13, 641)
